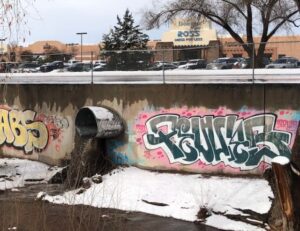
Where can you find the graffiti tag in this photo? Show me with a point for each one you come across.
(19, 128)
(239, 143)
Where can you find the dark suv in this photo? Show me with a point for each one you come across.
(80, 67)
(52, 66)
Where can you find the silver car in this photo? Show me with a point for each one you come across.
(223, 63)
(285, 62)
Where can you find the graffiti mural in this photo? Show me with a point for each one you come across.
(220, 139)
(18, 128)
(28, 131)
(242, 140)
(56, 126)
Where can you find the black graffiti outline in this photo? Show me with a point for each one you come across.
(269, 131)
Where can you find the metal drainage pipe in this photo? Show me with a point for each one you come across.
(98, 122)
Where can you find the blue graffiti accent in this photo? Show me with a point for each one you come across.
(239, 143)
(116, 157)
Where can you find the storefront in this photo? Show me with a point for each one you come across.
(192, 39)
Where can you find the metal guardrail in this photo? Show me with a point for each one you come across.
(261, 76)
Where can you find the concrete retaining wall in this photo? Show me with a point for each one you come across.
(236, 129)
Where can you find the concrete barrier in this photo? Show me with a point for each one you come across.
(211, 128)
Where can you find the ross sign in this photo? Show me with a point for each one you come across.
(190, 32)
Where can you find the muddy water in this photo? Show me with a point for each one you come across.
(81, 164)
(21, 210)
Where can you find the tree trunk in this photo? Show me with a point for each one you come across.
(283, 187)
(295, 175)
(260, 56)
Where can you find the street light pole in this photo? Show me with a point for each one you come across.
(81, 34)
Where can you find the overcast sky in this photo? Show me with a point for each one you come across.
(61, 19)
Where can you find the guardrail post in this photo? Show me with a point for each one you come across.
(92, 65)
(163, 66)
(253, 60)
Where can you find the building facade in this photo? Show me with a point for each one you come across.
(50, 47)
(278, 46)
(184, 40)
(192, 39)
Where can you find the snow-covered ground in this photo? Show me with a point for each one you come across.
(16, 173)
(164, 194)
(175, 195)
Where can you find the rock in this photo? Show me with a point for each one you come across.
(80, 191)
(97, 179)
(203, 213)
(86, 183)
(59, 177)
(41, 195)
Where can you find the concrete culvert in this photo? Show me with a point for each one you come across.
(98, 122)
(93, 126)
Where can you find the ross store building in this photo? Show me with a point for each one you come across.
(192, 39)
(187, 39)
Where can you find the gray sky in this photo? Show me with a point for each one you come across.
(61, 19)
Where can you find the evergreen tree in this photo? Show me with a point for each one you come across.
(126, 46)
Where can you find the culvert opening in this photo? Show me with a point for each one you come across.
(98, 122)
(93, 126)
(86, 124)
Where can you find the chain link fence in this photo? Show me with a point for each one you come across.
(229, 55)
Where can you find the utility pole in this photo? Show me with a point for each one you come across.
(81, 34)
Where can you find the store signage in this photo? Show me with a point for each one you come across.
(188, 35)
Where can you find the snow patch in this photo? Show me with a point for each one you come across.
(132, 189)
(16, 173)
(282, 160)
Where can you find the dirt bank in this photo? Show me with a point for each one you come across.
(21, 210)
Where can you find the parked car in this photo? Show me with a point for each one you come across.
(179, 63)
(99, 62)
(72, 61)
(194, 64)
(80, 67)
(100, 68)
(162, 66)
(222, 63)
(26, 68)
(247, 63)
(52, 66)
(284, 62)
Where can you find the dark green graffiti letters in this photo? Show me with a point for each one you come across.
(239, 143)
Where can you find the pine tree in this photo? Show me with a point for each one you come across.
(125, 45)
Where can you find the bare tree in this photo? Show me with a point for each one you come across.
(248, 17)
(13, 19)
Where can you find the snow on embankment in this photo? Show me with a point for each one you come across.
(17, 173)
(175, 195)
